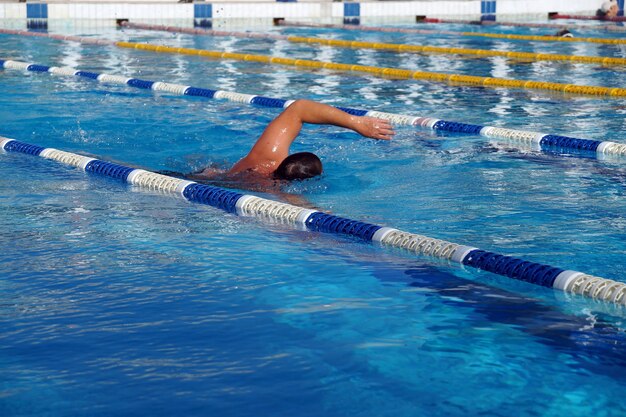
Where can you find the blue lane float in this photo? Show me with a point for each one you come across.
(249, 205)
(533, 140)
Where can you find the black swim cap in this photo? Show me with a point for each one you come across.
(564, 34)
(299, 166)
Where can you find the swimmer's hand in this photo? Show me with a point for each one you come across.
(373, 127)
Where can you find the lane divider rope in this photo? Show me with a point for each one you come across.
(586, 17)
(460, 79)
(607, 28)
(569, 281)
(392, 47)
(535, 38)
(551, 38)
(469, 80)
(534, 140)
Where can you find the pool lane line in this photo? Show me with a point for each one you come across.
(576, 26)
(529, 139)
(469, 80)
(392, 47)
(554, 16)
(383, 72)
(535, 38)
(569, 281)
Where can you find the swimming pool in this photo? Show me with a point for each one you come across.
(118, 301)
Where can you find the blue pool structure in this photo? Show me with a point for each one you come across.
(129, 293)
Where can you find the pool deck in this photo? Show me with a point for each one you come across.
(327, 11)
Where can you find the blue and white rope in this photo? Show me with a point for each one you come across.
(534, 140)
(249, 205)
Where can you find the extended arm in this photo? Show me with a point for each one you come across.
(273, 145)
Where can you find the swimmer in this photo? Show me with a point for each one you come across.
(269, 157)
(608, 10)
(564, 34)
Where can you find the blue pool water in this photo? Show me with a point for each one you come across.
(119, 301)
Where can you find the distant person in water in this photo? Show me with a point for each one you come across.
(564, 33)
(608, 10)
(269, 157)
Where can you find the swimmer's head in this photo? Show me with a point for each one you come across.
(299, 166)
(564, 34)
(608, 5)
(608, 9)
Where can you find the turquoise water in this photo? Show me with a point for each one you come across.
(118, 301)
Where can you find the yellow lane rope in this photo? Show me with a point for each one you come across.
(387, 72)
(546, 38)
(539, 38)
(528, 56)
(400, 48)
